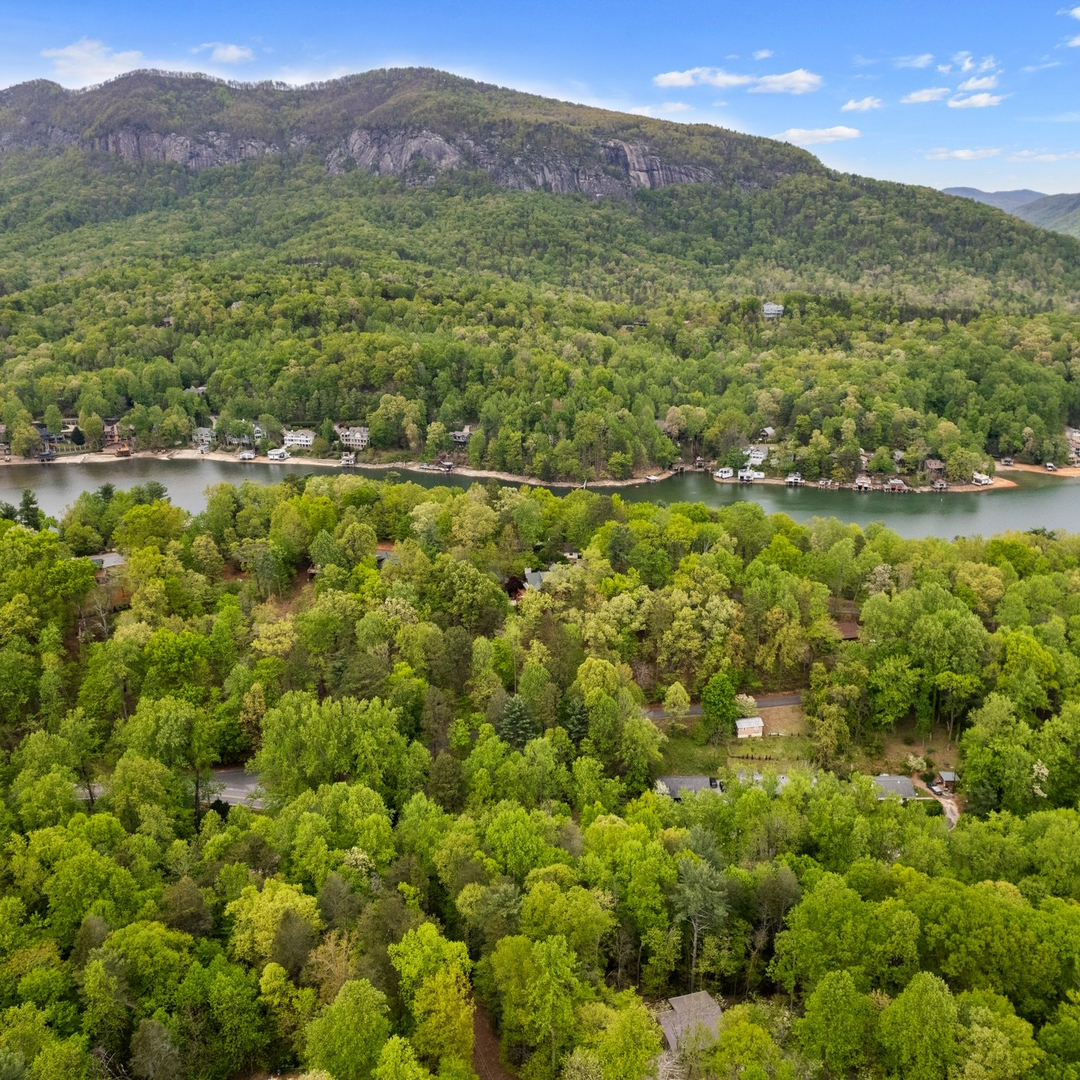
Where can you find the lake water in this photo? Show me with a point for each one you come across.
(1046, 501)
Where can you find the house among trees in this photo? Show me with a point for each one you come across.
(673, 786)
(946, 780)
(749, 727)
(534, 579)
(934, 467)
(685, 1015)
(766, 433)
(300, 437)
(894, 785)
(355, 438)
(461, 438)
(772, 311)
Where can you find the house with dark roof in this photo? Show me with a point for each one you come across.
(673, 786)
(687, 1015)
(900, 786)
(534, 579)
(946, 780)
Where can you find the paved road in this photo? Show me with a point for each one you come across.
(238, 787)
(765, 701)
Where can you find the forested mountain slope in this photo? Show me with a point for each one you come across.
(563, 327)
(411, 121)
(1059, 213)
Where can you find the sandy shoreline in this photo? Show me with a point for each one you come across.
(190, 454)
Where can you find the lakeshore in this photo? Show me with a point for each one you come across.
(191, 454)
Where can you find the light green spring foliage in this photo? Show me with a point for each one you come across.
(412, 863)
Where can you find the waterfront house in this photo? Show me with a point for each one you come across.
(461, 438)
(353, 437)
(746, 476)
(303, 438)
(982, 479)
(725, 472)
(279, 453)
(862, 482)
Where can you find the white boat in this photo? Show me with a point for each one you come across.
(652, 479)
(246, 455)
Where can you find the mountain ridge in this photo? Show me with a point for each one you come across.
(410, 122)
(1058, 213)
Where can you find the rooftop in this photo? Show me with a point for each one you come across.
(673, 785)
(894, 785)
(749, 722)
(686, 1013)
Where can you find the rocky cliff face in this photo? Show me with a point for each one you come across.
(411, 123)
(606, 168)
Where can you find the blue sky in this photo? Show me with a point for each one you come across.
(944, 93)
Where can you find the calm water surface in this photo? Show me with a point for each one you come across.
(1046, 501)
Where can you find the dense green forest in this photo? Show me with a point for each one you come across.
(577, 339)
(459, 808)
(578, 335)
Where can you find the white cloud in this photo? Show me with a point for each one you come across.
(1074, 12)
(921, 97)
(763, 54)
(944, 68)
(1031, 69)
(698, 76)
(976, 101)
(862, 105)
(799, 81)
(813, 136)
(964, 61)
(923, 60)
(979, 82)
(792, 82)
(1044, 157)
(223, 53)
(88, 61)
(963, 155)
(1074, 43)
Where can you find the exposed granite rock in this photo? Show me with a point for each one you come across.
(613, 169)
(212, 150)
(391, 153)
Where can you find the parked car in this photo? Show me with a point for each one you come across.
(1051, 467)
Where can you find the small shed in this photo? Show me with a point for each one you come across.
(934, 467)
(894, 785)
(946, 780)
(674, 786)
(686, 1014)
(750, 727)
